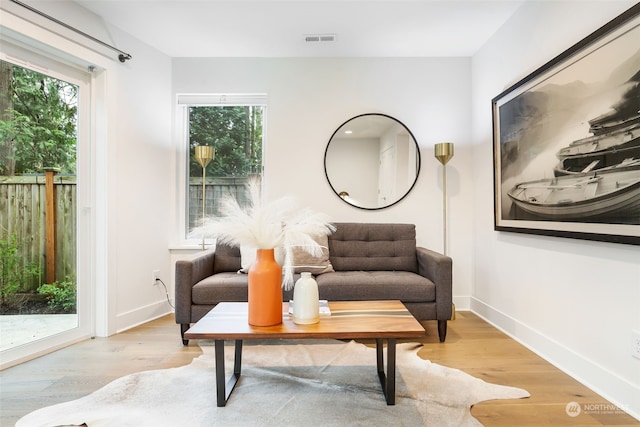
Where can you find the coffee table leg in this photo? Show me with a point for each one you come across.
(224, 387)
(237, 361)
(388, 380)
(391, 371)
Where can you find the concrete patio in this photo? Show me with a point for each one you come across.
(20, 329)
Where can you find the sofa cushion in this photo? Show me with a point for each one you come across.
(304, 261)
(224, 286)
(375, 285)
(227, 258)
(371, 247)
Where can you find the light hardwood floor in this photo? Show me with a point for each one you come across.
(472, 345)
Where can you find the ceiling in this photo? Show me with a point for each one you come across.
(266, 28)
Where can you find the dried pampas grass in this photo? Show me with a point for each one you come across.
(277, 224)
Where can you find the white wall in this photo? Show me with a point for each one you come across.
(140, 183)
(308, 99)
(573, 302)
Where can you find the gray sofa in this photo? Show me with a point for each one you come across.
(369, 262)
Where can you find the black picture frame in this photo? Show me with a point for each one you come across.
(566, 141)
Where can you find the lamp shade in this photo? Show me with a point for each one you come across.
(443, 151)
(204, 155)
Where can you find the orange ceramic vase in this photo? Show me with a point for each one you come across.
(265, 290)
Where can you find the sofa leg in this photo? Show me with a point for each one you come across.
(442, 329)
(183, 329)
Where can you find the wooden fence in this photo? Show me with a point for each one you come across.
(22, 214)
(216, 189)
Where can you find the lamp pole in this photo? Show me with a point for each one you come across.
(204, 155)
(443, 151)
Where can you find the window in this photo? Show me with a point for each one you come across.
(233, 125)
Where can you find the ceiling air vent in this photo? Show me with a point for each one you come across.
(312, 38)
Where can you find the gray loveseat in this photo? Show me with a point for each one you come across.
(369, 262)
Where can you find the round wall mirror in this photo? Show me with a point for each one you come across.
(372, 161)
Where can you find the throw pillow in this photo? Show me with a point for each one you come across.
(304, 261)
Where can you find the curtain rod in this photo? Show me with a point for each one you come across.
(123, 56)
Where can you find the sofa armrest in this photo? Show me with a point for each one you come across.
(188, 273)
(438, 268)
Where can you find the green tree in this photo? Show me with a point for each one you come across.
(236, 134)
(38, 122)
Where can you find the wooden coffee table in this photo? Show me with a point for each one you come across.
(379, 320)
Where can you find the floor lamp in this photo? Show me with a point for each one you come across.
(204, 155)
(443, 151)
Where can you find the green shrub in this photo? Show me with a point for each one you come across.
(14, 274)
(61, 296)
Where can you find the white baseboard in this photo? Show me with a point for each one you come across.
(142, 315)
(607, 384)
(462, 303)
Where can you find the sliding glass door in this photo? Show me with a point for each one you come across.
(44, 176)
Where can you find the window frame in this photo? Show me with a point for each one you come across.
(183, 102)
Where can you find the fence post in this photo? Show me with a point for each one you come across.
(50, 224)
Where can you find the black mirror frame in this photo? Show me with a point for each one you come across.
(418, 158)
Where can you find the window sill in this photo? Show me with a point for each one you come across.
(188, 247)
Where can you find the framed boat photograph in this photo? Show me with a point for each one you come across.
(566, 141)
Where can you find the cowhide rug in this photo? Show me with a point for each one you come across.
(326, 384)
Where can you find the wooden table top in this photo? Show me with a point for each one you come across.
(348, 320)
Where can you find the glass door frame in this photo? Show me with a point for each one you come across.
(85, 178)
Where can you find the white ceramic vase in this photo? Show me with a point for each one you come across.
(306, 307)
